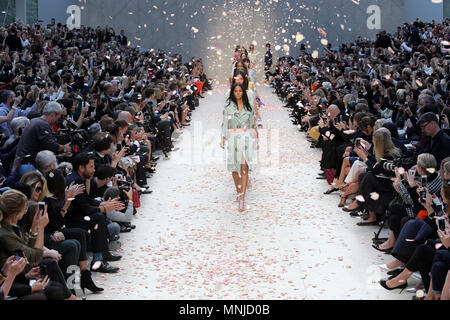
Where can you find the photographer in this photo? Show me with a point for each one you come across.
(8, 103)
(126, 196)
(37, 136)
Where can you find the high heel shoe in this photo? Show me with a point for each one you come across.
(342, 202)
(347, 209)
(86, 282)
(377, 247)
(402, 286)
(330, 191)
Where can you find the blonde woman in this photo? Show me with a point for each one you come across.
(38, 184)
(373, 194)
(13, 206)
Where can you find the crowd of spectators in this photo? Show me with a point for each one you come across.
(379, 112)
(83, 119)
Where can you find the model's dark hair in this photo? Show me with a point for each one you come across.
(243, 73)
(245, 100)
(243, 65)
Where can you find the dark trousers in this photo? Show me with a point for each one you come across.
(367, 184)
(421, 261)
(73, 249)
(439, 269)
(98, 232)
(55, 274)
(22, 291)
(164, 133)
(82, 236)
(55, 290)
(141, 172)
(414, 229)
(70, 252)
(34, 296)
(397, 217)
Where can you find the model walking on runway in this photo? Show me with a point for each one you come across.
(241, 76)
(238, 127)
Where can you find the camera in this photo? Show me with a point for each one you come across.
(79, 139)
(41, 207)
(438, 208)
(123, 183)
(43, 271)
(423, 192)
(18, 254)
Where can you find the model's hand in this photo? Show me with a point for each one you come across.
(222, 143)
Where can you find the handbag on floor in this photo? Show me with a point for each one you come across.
(136, 200)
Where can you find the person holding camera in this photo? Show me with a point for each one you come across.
(10, 102)
(13, 205)
(37, 136)
(57, 236)
(125, 193)
(410, 186)
(420, 243)
(9, 272)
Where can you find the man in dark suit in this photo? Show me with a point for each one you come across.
(122, 38)
(90, 214)
(268, 60)
(437, 142)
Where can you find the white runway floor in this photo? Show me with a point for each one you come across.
(292, 243)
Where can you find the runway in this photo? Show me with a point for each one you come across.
(292, 242)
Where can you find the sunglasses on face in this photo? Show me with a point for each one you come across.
(38, 189)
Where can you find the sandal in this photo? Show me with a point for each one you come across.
(329, 191)
(343, 200)
(372, 223)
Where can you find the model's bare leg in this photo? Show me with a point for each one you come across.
(237, 182)
(244, 180)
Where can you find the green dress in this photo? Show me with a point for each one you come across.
(240, 145)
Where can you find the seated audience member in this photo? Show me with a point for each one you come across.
(13, 205)
(89, 214)
(438, 143)
(60, 238)
(46, 161)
